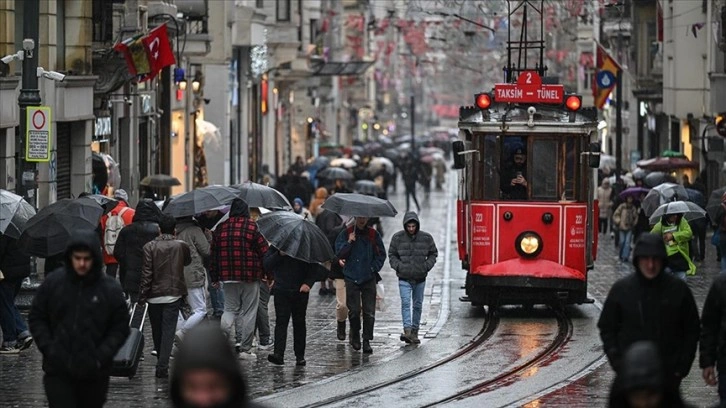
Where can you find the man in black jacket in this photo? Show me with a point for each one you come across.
(15, 266)
(713, 337)
(79, 320)
(293, 280)
(412, 254)
(653, 306)
(129, 249)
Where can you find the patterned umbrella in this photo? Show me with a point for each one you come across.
(14, 214)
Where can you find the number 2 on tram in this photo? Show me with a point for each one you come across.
(525, 209)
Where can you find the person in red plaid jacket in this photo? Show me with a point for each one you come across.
(238, 249)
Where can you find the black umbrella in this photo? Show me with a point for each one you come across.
(359, 205)
(258, 195)
(106, 202)
(696, 196)
(15, 213)
(201, 200)
(367, 187)
(297, 237)
(714, 203)
(160, 180)
(335, 173)
(48, 233)
(657, 178)
(662, 194)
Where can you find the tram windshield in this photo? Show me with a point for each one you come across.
(542, 168)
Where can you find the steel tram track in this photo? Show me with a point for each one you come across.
(489, 328)
(564, 333)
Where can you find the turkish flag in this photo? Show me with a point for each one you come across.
(159, 51)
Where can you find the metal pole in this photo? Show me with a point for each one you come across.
(25, 172)
(413, 123)
(619, 124)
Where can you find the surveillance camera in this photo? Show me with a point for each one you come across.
(128, 101)
(28, 44)
(8, 59)
(531, 110)
(54, 75)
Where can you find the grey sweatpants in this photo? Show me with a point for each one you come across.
(240, 312)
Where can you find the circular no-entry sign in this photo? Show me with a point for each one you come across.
(38, 120)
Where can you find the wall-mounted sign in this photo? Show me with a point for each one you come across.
(102, 127)
(37, 134)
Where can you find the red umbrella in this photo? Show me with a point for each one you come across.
(667, 163)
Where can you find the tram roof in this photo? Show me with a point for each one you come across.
(509, 118)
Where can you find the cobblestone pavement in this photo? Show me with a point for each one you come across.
(21, 375)
(592, 390)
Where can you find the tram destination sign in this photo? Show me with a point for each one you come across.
(529, 89)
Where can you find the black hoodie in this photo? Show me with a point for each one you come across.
(239, 208)
(661, 310)
(129, 248)
(206, 347)
(412, 256)
(79, 323)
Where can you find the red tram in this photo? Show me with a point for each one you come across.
(526, 230)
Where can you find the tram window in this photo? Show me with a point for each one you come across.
(571, 155)
(514, 178)
(544, 166)
(489, 167)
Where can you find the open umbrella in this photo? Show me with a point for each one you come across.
(201, 200)
(48, 233)
(607, 162)
(359, 205)
(378, 163)
(106, 202)
(691, 211)
(658, 177)
(639, 174)
(634, 192)
(367, 187)
(714, 203)
(258, 195)
(344, 162)
(160, 180)
(668, 163)
(319, 162)
(662, 194)
(696, 196)
(297, 237)
(14, 214)
(335, 173)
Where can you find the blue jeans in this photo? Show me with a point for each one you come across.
(216, 298)
(625, 238)
(408, 290)
(11, 322)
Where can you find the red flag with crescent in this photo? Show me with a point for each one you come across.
(159, 50)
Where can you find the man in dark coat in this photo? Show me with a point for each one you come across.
(336, 274)
(409, 173)
(206, 372)
(15, 266)
(641, 381)
(412, 254)
(129, 249)
(513, 182)
(293, 280)
(653, 306)
(79, 320)
(713, 337)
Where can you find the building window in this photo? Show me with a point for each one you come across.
(283, 10)
(314, 31)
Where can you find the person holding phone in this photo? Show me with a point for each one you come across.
(513, 182)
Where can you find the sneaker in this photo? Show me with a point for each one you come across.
(247, 355)
(25, 343)
(301, 362)
(14, 349)
(275, 359)
(154, 353)
(267, 346)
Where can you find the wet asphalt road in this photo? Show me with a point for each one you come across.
(334, 370)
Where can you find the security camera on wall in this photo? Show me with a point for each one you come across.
(53, 75)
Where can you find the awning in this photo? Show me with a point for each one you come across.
(332, 68)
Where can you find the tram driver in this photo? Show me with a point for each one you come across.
(513, 181)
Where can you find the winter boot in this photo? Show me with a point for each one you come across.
(367, 347)
(414, 336)
(406, 336)
(355, 341)
(341, 330)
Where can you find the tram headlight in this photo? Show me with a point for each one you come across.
(529, 244)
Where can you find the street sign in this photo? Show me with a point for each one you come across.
(529, 89)
(37, 134)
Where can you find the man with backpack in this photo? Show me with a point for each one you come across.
(111, 225)
(361, 254)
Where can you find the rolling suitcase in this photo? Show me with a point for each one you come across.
(126, 361)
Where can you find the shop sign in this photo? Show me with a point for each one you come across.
(102, 127)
